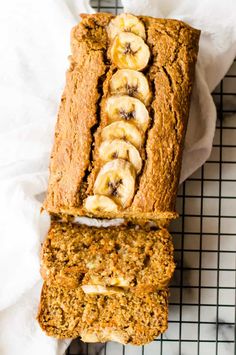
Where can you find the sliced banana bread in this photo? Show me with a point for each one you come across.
(126, 318)
(120, 257)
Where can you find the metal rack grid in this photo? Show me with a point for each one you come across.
(202, 303)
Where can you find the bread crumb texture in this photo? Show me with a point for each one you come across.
(124, 257)
(125, 318)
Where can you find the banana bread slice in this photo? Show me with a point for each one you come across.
(114, 258)
(125, 318)
(121, 125)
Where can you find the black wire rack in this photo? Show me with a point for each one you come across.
(202, 311)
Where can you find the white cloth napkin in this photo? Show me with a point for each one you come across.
(34, 45)
(217, 21)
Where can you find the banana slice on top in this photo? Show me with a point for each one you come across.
(129, 109)
(98, 203)
(132, 83)
(129, 51)
(126, 23)
(118, 148)
(116, 179)
(123, 130)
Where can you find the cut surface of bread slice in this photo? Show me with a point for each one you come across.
(120, 257)
(125, 318)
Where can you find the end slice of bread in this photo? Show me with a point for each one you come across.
(126, 318)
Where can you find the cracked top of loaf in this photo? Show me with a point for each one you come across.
(126, 165)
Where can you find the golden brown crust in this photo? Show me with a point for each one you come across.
(174, 47)
(126, 318)
(75, 255)
(70, 157)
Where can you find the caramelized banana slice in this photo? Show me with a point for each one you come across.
(132, 83)
(126, 23)
(129, 51)
(116, 179)
(129, 109)
(97, 203)
(118, 148)
(123, 130)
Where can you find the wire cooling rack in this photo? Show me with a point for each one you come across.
(202, 303)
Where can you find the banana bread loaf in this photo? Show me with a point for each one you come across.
(126, 318)
(107, 260)
(123, 116)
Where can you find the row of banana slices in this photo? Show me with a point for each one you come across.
(128, 118)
